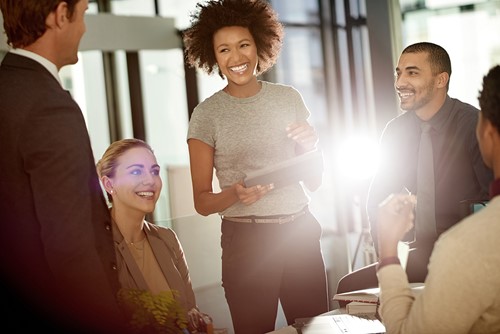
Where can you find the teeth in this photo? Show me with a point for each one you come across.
(405, 94)
(145, 193)
(239, 68)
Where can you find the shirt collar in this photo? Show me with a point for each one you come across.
(51, 67)
(495, 188)
(438, 121)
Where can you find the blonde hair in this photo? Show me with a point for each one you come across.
(106, 166)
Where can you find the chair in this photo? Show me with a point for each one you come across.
(362, 278)
(366, 277)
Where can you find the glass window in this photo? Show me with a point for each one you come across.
(297, 11)
(85, 81)
(180, 9)
(133, 7)
(473, 50)
(165, 113)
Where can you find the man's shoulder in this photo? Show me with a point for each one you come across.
(462, 107)
(26, 73)
(463, 113)
(400, 123)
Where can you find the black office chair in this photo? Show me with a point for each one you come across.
(416, 269)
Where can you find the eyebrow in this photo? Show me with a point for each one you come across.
(135, 166)
(142, 166)
(238, 42)
(409, 68)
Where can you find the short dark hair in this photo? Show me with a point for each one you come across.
(24, 20)
(209, 17)
(437, 55)
(489, 97)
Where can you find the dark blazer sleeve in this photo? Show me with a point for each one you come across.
(74, 221)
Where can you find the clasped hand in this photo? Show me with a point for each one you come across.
(395, 218)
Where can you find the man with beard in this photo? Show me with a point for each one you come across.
(422, 78)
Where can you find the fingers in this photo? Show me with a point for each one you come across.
(250, 195)
(304, 134)
(395, 217)
(398, 204)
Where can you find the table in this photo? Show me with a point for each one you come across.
(415, 287)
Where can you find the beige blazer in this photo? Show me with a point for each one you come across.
(170, 256)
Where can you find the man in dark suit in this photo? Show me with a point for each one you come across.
(57, 261)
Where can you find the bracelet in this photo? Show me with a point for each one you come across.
(386, 261)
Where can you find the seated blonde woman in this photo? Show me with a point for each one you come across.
(149, 257)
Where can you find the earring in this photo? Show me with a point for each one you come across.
(111, 191)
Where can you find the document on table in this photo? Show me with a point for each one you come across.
(340, 324)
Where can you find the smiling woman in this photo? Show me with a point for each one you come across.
(150, 258)
(247, 126)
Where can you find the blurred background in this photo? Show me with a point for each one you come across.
(131, 81)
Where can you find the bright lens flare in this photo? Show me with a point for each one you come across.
(357, 158)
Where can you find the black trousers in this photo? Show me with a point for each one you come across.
(267, 263)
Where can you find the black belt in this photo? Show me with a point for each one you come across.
(282, 219)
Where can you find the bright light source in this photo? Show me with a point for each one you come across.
(357, 158)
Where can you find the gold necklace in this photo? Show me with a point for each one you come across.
(137, 249)
(139, 245)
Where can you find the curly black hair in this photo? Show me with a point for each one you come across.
(489, 97)
(256, 15)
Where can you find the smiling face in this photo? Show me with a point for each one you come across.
(418, 88)
(236, 55)
(136, 183)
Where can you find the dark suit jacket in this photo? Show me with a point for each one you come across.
(56, 246)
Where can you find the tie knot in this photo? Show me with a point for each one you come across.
(425, 127)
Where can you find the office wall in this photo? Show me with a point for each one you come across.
(108, 32)
(199, 235)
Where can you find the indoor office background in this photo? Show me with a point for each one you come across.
(340, 54)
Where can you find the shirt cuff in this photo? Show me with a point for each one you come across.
(386, 261)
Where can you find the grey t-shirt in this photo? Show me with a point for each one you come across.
(249, 134)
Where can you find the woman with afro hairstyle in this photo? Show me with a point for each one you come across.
(270, 241)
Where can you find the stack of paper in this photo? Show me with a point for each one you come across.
(339, 324)
(360, 301)
(361, 308)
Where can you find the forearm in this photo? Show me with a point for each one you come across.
(396, 298)
(207, 203)
(387, 249)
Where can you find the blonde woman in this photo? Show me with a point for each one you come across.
(149, 257)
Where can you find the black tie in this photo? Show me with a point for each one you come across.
(425, 211)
